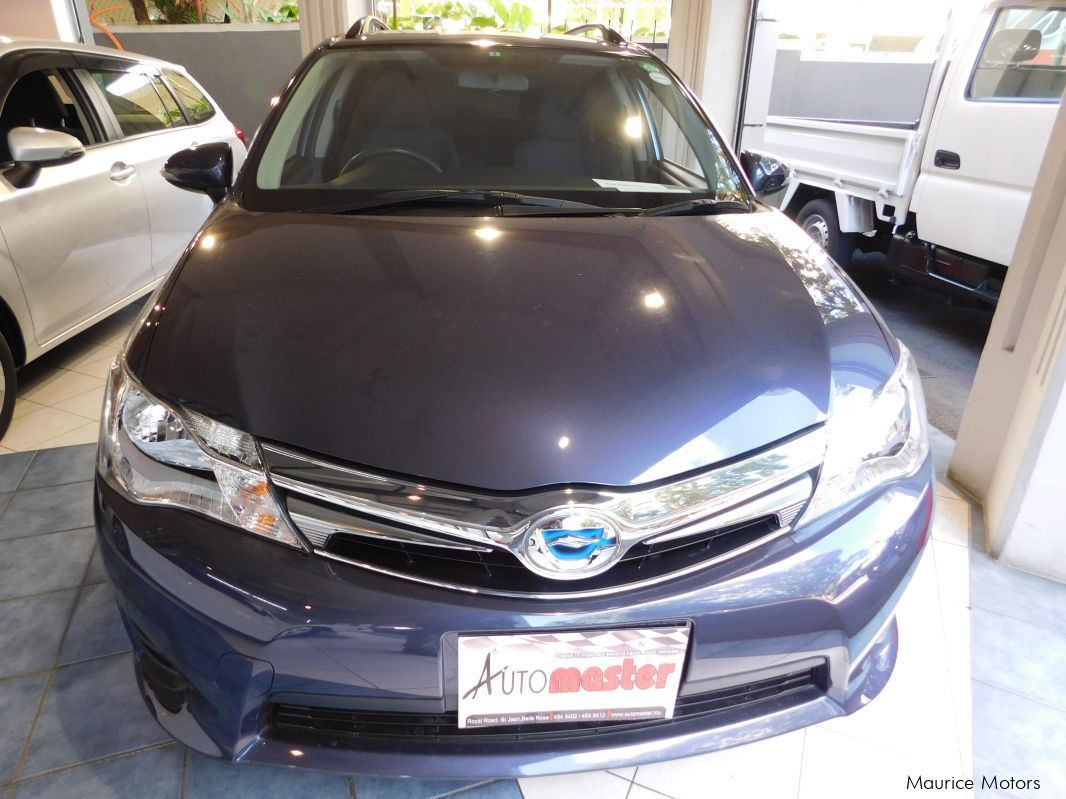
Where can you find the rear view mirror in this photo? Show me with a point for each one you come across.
(33, 148)
(207, 168)
(1012, 46)
(766, 173)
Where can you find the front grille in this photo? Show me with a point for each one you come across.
(486, 541)
(494, 569)
(288, 720)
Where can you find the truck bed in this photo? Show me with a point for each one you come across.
(877, 161)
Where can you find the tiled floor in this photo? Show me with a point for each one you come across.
(60, 394)
(72, 723)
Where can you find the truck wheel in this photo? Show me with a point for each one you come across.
(819, 220)
(7, 386)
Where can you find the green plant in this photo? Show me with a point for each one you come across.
(180, 12)
(493, 14)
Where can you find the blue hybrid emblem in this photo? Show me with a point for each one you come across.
(571, 542)
(576, 544)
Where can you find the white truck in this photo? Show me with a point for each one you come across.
(944, 195)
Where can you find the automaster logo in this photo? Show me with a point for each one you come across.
(627, 676)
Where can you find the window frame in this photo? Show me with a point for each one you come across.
(967, 94)
(17, 64)
(189, 119)
(136, 69)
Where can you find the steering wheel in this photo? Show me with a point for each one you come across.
(377, 152)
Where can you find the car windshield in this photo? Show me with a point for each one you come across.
(373, 122)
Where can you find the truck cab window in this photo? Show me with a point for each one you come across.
(1024, 57)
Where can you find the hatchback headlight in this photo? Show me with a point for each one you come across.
(182, 459)
(874, 436)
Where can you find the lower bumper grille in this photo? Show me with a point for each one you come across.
(287, 720)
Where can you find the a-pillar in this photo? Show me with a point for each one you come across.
(1011, 448)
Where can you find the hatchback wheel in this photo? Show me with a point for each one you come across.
(7, 386)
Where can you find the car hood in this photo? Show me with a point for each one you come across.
(510, 353)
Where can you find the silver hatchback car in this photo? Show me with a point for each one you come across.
(88, 223)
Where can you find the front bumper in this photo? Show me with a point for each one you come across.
(227, 627)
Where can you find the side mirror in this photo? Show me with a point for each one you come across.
(33, 148)
(766, 173)
(206, 167)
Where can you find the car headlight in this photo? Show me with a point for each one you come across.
(874, 436)
(178, 458)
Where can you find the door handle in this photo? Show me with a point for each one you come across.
(946, 159)
(121, 171)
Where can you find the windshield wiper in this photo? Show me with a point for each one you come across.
(702, 206)
(489, 199)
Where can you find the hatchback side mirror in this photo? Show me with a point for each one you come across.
(206, 167)
(766, 173)
(33, 148)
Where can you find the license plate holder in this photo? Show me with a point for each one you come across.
(562, 677)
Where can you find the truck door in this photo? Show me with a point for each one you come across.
(989, 132)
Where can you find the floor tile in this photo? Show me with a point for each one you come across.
(4, 499)
(92, 710)
(57, 385)
(731, 772)
(12, 468)
(624, 773)
(640, 792)
(41, 563)
(96, 627)
(836, 766)
(88, 433)
(31, 631)
(47, 510)
(29, 431)
(96, 573)
(86, 352)
(1016, 737)
(601, 784)
(1016, 593)
(149, 774)
(206, 778)
(24, 406)
(98, 368)
(382, 788)
(87, 404)
(499, 789)
(59, 466)
(18, 704)
(952, 521)
(1020, 657)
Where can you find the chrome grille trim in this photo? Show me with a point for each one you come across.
(562, 594)
(318, 532)
(776, 481)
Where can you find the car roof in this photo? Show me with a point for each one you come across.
(554, 40)
(11, 44)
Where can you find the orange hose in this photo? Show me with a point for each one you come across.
(100, 26)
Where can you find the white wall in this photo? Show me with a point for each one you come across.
(708, 39)
(39, 19)
(1011, 448)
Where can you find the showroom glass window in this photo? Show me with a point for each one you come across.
(1024, 57)
(594, 128)
(192, 99)
(134, 100)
